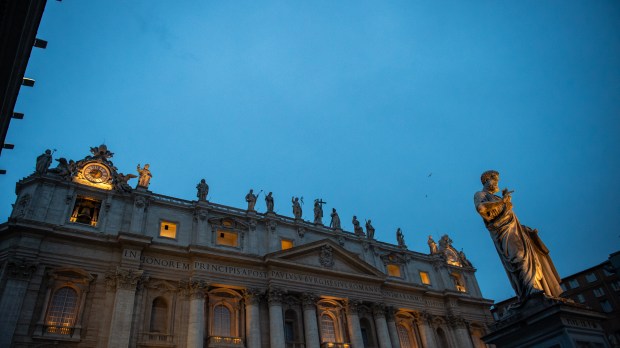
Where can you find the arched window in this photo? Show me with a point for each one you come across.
(159, 316)
(328, 328)
(62, 311)
(404, 337)
(221, 321)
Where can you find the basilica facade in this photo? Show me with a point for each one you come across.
(90, 261)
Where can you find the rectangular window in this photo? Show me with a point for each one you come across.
(168, 229)
(563, 286)
(393, 270)
(426, 280)
(227, 238)
(606, 306)
(591, 277)
(286, 244)
(580, 298)
(574, 283)
(599, 292)
(86, 211)
(607, 273)
(616, 285)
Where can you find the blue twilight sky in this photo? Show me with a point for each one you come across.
(355, 102)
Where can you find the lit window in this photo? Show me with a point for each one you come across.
(606, 306)
(574, 283)
(591, 277)
(580, 298)
(86, 211)
(426, 280)
(599, 292)
(459, 285)
(286, 244)
(168, 229)
(328, 329)
(227, 238)
(62, 311)
(393, 270)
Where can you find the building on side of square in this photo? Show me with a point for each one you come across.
(88, 261)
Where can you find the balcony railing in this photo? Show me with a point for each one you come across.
(335, 345)
(221, 341)
(156, 337)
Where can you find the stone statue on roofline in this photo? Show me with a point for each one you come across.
(43, 162)
(400, 238)
(296, 207)
(357, 229)
(269, 202)
(318, 211)
(144, 176)
(523, 254)
(432, 245)
(202, 190)
(335, 222)
(251, 199)
(370, 230)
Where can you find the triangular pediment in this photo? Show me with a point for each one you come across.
(324, 255)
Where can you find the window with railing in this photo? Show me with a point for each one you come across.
(221, 321)
(404, 336)
(328, 328)
(62, 311)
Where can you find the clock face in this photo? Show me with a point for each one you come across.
(96, 173)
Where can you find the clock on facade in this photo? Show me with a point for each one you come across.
(96, 173)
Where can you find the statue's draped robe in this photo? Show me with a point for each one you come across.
(523, 254)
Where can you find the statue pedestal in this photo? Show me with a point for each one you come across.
(547, 322)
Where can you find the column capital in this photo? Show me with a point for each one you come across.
(123, 278)
(275, 296)
(378, 310)
(308, 300)
(352, 306)
(20, 269)
(390, 313)
(196, 288)
(252, 296)
(455, 321)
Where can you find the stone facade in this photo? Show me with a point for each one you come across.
(93, 266)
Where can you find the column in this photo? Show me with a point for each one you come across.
(353, 321)
(311, 329)
(18, 274)
(391, 322)
(276, 321)
(252, 318)
(196, 323)
(126, 281)
(383, 335)
(427, 334)
(460, 333)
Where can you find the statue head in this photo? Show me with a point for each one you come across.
(203, 181)
(48, 152)
(146, 166)
(333, 210)
(489, 179)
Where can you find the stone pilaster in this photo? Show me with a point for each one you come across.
(460, 332)
(276, 320)
(125, 282)
(391, 323)
(252, 317)
(427, 334)
(196, 289)
(353, 321)
(311, 327)
(383, 335)
(18, 275)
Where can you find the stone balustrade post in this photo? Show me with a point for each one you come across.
(196, 324)
(252, 317)
(378, 312)
(276, 320)
(125, 281)
(353, 321)
(311, 329)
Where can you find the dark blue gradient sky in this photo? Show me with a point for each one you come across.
(355, 102)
